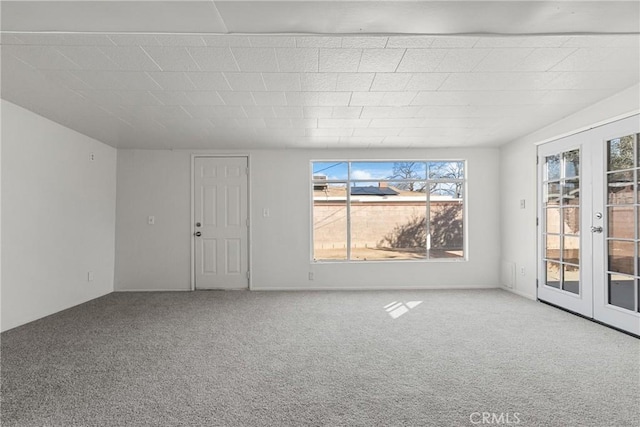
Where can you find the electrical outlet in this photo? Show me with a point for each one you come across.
(92, 157)
(90, 276)
(310, 275)
(522, 203)
(151, 220)
(522, 271)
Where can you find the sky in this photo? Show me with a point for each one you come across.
(337, 170)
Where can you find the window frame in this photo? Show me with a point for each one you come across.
(348, 181)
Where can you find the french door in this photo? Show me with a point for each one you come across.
(588, 216)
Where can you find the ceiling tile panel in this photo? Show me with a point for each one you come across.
(318, 112)
(371, 42)
(462, 60)
(237, 98)
(346, 112)
(209, 98)
(134, 39)
(320, 82)
(171, 97)
(502, 59)
(259, 112)
(215, 111)
(409, 42)
(319, 41)
(426, 81)
(354, 81)
(171, 58)
(245, 81)
(380, 60)
(303, 60)
(180, 40)
(41, 57)
(88, 57)
(140, 97)
(272, 41)
(130, 58)
(543, 59)
(339, 60)
(390, 81)
(421, 60)
(270, 98)
(294, 112)
(259, 59)
(225, 40)
(172, 80)
(343, 123)
(213, 58)
(337, 99)
(453, 42)
(303, 98)
(209, 81)
(282, 81)
(117, 80)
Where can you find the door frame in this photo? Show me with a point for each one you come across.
(192, 228)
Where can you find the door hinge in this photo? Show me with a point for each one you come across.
(248, 275)
(536, 283)
(537, 160)
(537, 221)
(246, 171)
(247, 222)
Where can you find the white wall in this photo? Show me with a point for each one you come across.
(152, 257)
(518, 181)
(58, 217)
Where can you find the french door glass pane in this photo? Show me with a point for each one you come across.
(571, 220)
(571, 163)
(553, 167)
(553, 274)
(621, 291)
(620, 153)
(571, 249)
(552, 247)
(571, 192)
(571, 279)
(553, 220)
(621, 222)
(552, 194)
(620, 188)
(621, 255)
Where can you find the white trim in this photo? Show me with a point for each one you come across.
(152, 290)
(519, 293)
(372, 288)
(247, 156)
(589, 127)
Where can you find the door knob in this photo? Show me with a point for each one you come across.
(198, 224)
(197, 234)
(596, 229)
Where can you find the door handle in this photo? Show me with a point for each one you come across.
(596, 229)
(197, 234)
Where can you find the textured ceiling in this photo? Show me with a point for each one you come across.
(203, 90)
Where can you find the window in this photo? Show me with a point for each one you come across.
(388, 210)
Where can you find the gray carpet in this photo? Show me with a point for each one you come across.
(318, 358)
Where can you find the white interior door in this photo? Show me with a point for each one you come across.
(564, 276)
(592, 267)
(220, 223)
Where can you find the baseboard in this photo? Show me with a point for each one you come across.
(370, 288)
(519, 293)
(152, 290)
